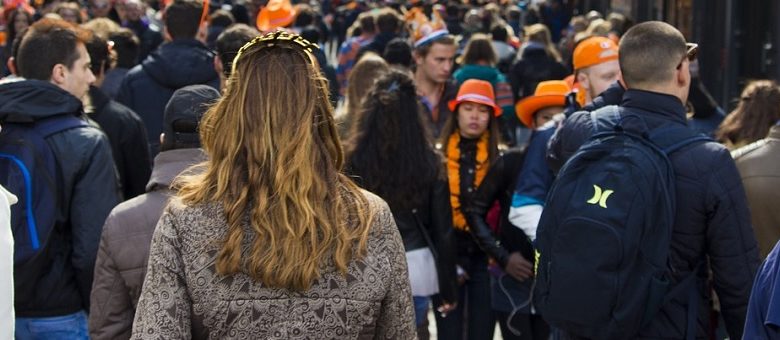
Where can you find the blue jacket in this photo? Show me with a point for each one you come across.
(712, 220)
(147, 87)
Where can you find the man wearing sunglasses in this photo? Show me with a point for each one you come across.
(711, 228)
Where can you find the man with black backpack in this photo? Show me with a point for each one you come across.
(63, 174)
(642, 209)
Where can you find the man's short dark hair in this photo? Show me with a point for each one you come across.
(221, 18)
(388, 21)
(649, 53)
(58, 38)
(127, 47)
(423, 50)
(230, 41)
(97, 48)
(306, 16)
(398, 52)
(367, 22)
(182, 18)
(498, 33)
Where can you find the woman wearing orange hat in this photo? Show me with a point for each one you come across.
(510, 300)
(470, 142)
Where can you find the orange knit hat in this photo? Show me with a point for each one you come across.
(547, 94)
(476, 91)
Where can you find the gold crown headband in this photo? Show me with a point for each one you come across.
(281, 39)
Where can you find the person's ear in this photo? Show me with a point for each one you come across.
(418, 59)
(683, 74)
(58, 74)
(11, 63)
(162, 138)
(218, 64)
(583, 80)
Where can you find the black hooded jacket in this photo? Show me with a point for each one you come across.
(127, 135)
(148, 86)
(90, 190)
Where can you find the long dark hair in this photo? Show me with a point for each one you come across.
(390, 153)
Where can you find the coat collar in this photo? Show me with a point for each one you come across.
(662, 104)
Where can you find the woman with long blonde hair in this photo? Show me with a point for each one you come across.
(271, 240)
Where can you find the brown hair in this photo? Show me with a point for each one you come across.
(423, 50)
(58, 38)
(479, 49)
(539, 33)
(361, 79)
(758, 109)
(649, 52)
(274, 166)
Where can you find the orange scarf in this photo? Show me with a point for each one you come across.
(453, 173)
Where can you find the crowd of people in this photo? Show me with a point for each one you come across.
(345, 169)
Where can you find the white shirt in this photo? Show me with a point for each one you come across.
(6, 266)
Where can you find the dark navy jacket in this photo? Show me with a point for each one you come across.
(147, 87)
(90, 190)
(712, 220)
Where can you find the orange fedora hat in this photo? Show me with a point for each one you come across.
(476, 91)
(275, 14)
(547, 94)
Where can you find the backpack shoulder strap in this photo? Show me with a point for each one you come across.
(51, 125)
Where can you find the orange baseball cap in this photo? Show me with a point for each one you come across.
(594, 51)
(275, 14)
(476, 91)
(547, 94)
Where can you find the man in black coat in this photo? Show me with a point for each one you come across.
(712, 222)
(183, 61)
(124, 128)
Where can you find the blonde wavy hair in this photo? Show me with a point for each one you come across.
(275, 161)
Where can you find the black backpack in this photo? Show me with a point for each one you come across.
(29, 169)
(605, 232)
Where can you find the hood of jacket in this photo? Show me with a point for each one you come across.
(29, 100)
(180, 63)
(170, 164)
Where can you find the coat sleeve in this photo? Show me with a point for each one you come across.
(444, 240)
(731, 244)
(95, 193)
(477, 210)
(164, 309)
(396, 315)
(136, 158)
(567, 139)
(111, 309)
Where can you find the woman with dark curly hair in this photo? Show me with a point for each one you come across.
(390, 156)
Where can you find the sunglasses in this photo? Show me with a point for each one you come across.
(691, 51)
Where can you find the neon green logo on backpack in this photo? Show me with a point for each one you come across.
(600, 196)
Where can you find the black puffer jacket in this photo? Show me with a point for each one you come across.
(712, 218)
(89, 183)
(148, 87)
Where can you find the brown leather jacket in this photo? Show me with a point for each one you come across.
(124, 248)
(759, 167)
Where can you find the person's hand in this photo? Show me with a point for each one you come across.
(462, 276)
(518, 267)
(446, 308)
